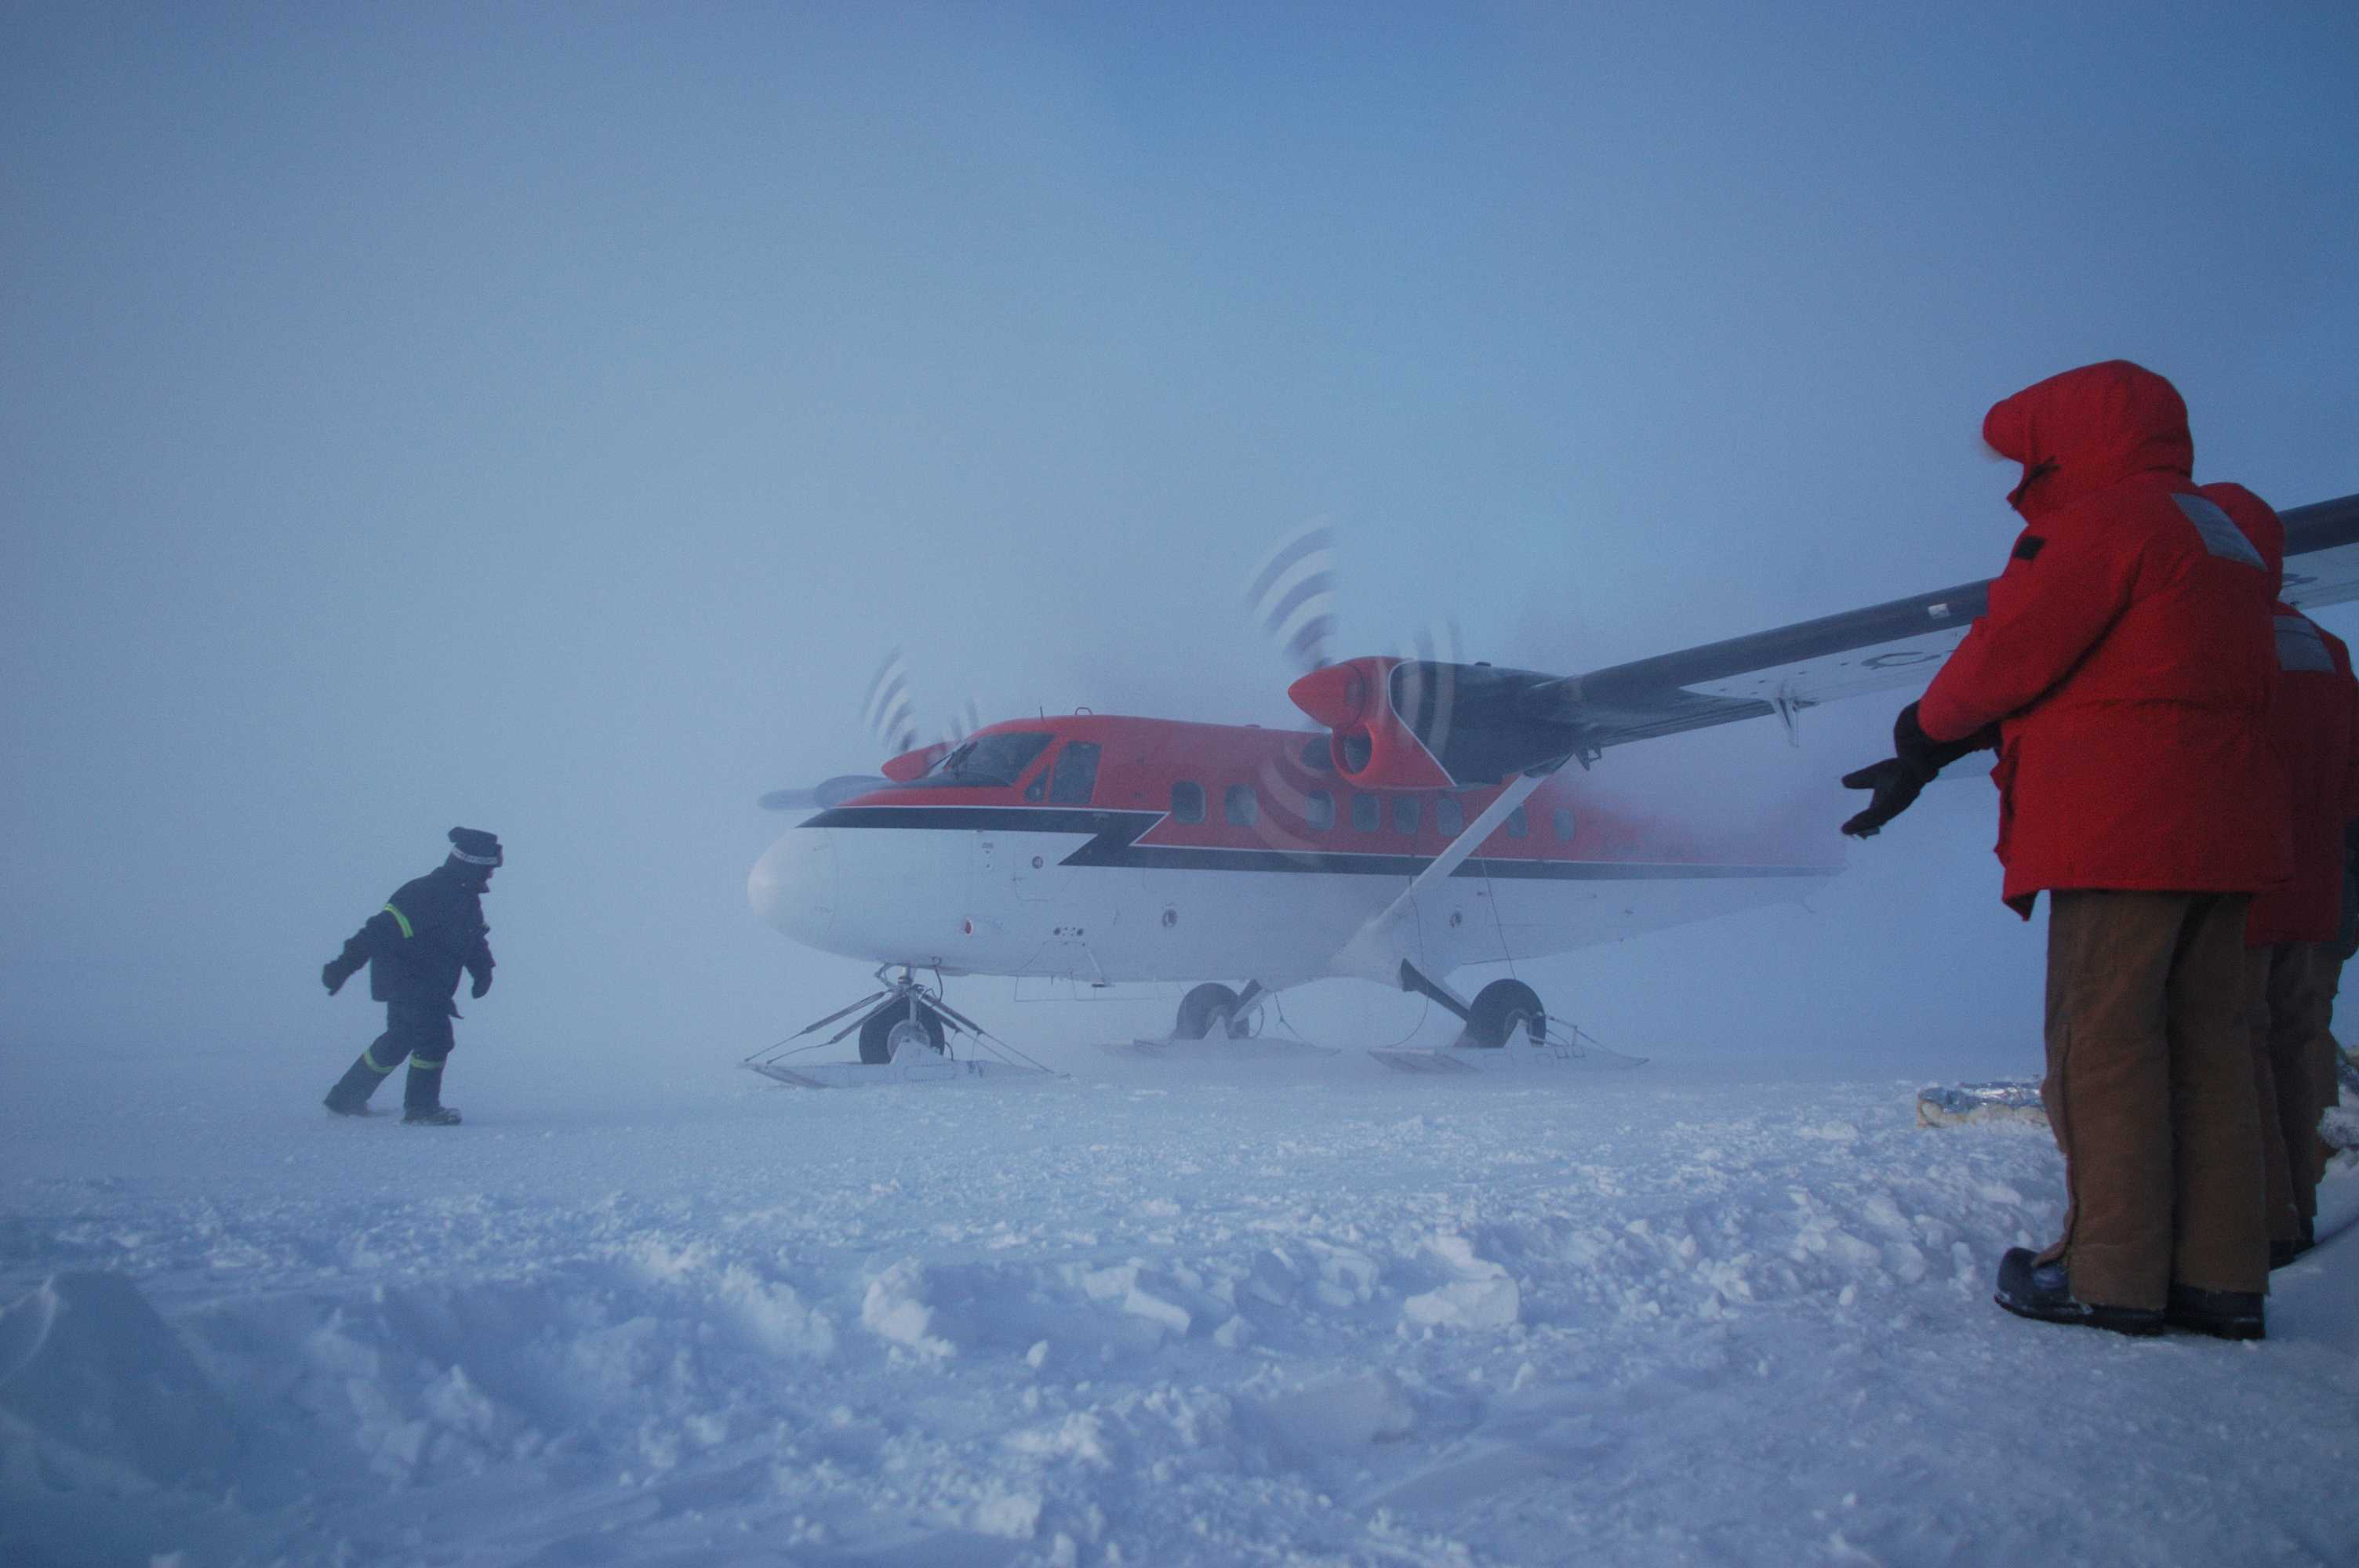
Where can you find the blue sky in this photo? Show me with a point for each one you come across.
(542, 418)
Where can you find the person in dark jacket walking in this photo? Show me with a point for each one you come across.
(2129, 661)
(415, 947)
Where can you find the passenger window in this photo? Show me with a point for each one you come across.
(1367, 813)
(1518, 825)
(1562, 822)
(1038, 788)
(1237, 804)
(1404, 814)
(1449, 817)
(1188, 800)
(1075, 774)
(1319, 810)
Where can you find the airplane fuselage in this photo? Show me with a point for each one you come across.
(1101, 848)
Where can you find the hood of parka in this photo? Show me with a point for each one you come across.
(2088, 429)
(2258, 522)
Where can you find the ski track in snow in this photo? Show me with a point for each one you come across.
(1152, 1313)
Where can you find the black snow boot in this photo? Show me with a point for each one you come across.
(2223, 1315)
(422, 1099)
(350, 1094)
(2043, 1292)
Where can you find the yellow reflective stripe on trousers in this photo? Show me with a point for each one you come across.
(420, 1065)
(369, 1056)
(399, 919)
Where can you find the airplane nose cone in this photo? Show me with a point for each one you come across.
(792, 886)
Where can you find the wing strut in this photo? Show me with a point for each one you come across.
(1368, 952)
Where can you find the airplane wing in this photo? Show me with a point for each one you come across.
(1421, 724)
(1882, 647)
(2322, 553)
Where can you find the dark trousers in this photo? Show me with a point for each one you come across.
(2292, 999)
(421, 1034)
(2150, 1093)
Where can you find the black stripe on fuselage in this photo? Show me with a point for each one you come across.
(1114, 842)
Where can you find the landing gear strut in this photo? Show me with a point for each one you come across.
(1499, 1011)
(905, 1029)
(906, 1021)
(1213, 1010)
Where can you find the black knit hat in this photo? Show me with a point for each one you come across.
(475, 846)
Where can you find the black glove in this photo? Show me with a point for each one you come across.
(1897, 781)
(482, 983)
(334, 973)
(1916, 758)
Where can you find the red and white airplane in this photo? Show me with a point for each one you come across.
(1431, 825)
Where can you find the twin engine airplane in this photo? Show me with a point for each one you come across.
(1430, 824)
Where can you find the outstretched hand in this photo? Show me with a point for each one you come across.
(333, 975)
(1895, 785)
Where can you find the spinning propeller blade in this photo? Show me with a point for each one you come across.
(891, 717)
(821, 796)
(1291, 595)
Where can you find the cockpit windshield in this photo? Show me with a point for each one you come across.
(987, 760)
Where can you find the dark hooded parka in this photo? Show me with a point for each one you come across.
(2126, 656)
(429, 930)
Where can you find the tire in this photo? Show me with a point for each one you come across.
(876, 1042)
(1209, 1006)
(1500, 1009)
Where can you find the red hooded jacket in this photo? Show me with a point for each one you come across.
(2127, 656)
(2314, 722)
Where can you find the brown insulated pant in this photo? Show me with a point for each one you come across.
(2149, 1091)
(2293, 986)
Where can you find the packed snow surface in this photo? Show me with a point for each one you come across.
(1157, 1313)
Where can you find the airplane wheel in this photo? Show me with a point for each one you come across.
(1500, 1009)
(1211, 1007)
(890, 1031)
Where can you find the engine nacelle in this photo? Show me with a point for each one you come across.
(1421, 724)
(914, 764)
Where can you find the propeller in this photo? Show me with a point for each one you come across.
(823, 795)
(1291, 595)
(891, 717)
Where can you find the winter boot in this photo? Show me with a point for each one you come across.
(2043, 1292)
(422, 1099)
(350, 1094)
(2223, 1315)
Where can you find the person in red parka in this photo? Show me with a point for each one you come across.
(2294, 960)
(2126, 659)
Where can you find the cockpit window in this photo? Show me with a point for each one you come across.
(1075, 774)
(987, 760)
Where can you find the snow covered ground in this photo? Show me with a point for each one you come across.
(1153, 1312)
